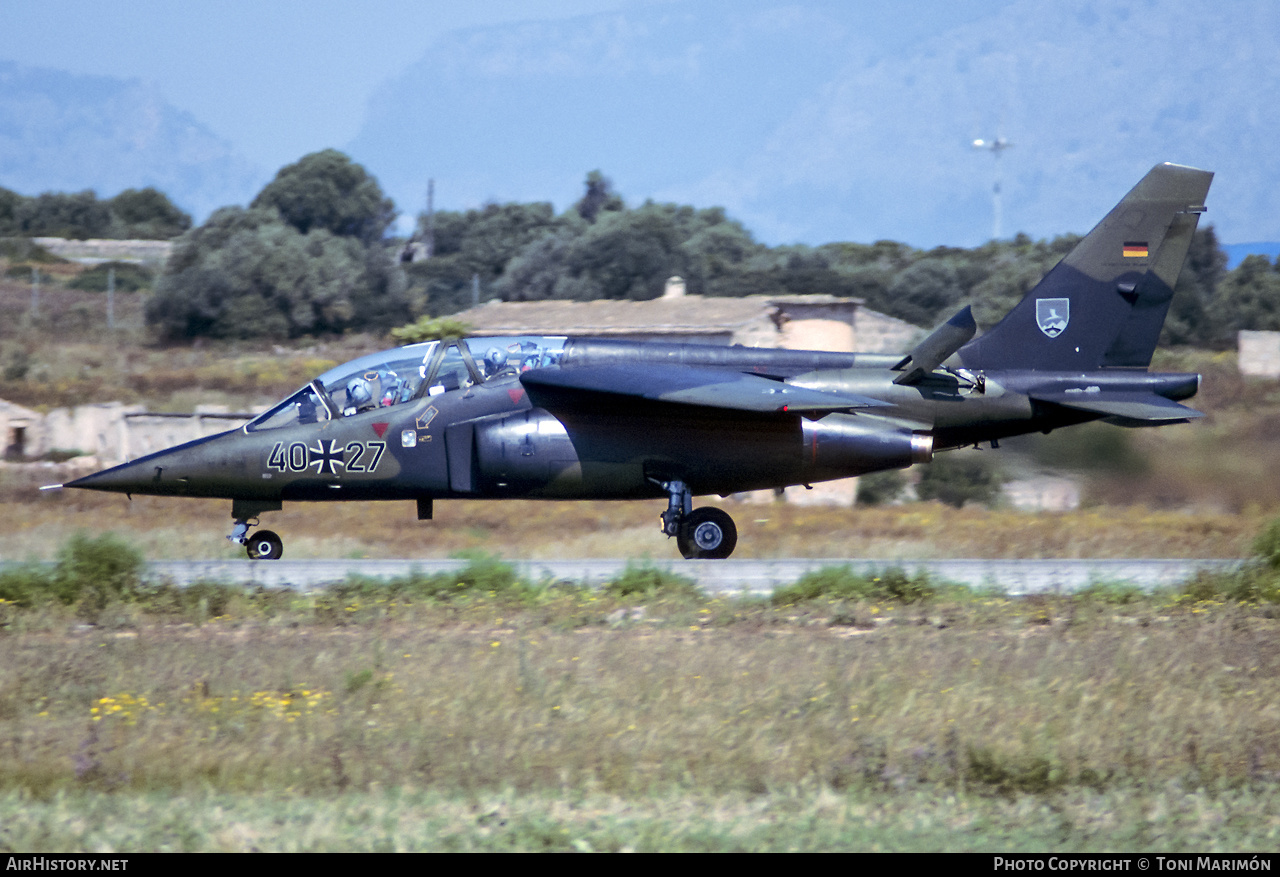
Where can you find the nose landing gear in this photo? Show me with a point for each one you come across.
(265, 545)
(701, 534)
(262, 545)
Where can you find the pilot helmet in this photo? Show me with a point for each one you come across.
(495, 359)
(358, 392)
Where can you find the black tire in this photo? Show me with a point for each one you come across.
(265, 545)
(707, 534)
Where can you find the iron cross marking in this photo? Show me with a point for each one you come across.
(325, 457)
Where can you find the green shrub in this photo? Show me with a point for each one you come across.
(26, 250)
(879, 488)
(91, 572)
(485, 574)
(842, 583)
(1091, 447)
(1248, 585)
(1116, 593)
(650, 582)
(61, 455)
(1267, 544)
(27, 584)
(17, 364)
(430, 329)
(97, 572)
(128, 278)
(1007, 774)
(956, 479)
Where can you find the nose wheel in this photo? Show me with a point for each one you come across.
(264, 545)
(261, 545)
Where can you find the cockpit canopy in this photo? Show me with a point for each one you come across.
(393, 377)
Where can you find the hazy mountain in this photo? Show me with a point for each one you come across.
(65, 132)
(807, 129)
(656, 99)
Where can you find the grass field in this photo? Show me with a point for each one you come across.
(489, 714)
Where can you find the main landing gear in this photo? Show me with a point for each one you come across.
(705, 533)
(262, 545)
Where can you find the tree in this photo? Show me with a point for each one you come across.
(598, 197)
(535, 273)
(495, 234)
(149, 214)
(957, 478)
(1195, 316)
(9, 203)
(56, 214)
(247, 274)
(327, 190)
(134, 213)
(1250, 297)
(627, 255)
(926, 291)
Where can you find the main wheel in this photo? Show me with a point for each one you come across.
(265, 545)
(707, 533)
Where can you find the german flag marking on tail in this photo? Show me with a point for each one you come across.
(1135, 249)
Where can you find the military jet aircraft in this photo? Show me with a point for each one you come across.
(554, 417)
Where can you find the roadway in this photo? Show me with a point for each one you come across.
(1013, 577)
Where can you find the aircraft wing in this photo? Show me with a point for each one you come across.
(1124, 409)
(711, 388)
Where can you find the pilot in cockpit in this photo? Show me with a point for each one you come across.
(494, 361)
(390, 388)
(359, 397)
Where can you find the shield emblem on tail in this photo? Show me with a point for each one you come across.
(1052, 315)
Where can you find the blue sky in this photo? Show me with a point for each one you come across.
(277, 79)
(280, 79)
(810, 121)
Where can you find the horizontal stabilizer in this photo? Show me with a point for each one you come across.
(710, 388)
(937, 348)
(1124, 409)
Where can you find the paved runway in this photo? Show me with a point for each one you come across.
(1014, 577)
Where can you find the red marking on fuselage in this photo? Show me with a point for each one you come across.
(516, 395)
(380, 429)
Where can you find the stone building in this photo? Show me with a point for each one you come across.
(1259, 353)
(112, 432)
(800, 322)
(19, 430)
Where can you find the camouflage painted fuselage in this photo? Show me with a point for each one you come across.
(502, 438)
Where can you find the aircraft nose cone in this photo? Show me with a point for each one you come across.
(132, 477)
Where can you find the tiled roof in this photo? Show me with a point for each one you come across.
(689, 314)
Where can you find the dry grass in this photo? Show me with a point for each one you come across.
(717, 697)
(1163, 820)
(491, 714)
(1167, 821)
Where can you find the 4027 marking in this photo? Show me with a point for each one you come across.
(323, 457)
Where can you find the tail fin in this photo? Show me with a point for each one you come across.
(1104, 304)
